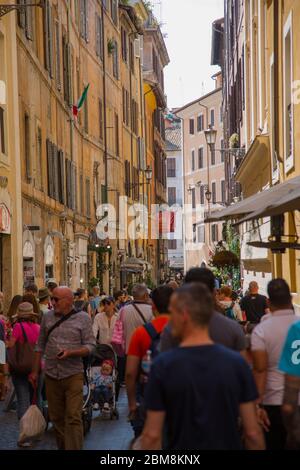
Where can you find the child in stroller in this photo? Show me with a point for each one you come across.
(104, 381)
(102, 385)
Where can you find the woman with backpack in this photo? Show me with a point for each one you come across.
(21, 355)
(230, 307)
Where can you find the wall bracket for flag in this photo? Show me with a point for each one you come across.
(4, 9)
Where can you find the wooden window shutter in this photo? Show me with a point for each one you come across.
(88, 197)
(101, 119)
(28, 21)
(46, 34)
(97, 33)
(70, 75)
(104, 198)
(81, 193)
(50, 41)
(117, 144)
(55, 172)
(21, 15)
(73, 186)
(57, 50)
(68, 182)
(61, 176)
(82, 19)
(50, 168)
(76, 191)
(86, 17)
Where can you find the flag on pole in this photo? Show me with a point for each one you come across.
(77, 107)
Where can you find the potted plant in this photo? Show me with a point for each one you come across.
(110, 46)
(234, 141)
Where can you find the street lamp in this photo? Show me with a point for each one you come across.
(208, 194)
(148, 174)
(210, 136)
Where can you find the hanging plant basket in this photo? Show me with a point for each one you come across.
(225, 258)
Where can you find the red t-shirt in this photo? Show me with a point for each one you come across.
(141, 341)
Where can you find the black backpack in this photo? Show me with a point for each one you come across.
(155, 339)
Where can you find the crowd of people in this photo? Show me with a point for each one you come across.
(203, 368)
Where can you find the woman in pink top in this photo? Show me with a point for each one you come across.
(26, 321)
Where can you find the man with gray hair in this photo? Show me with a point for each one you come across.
(254, 305)
(136, 313)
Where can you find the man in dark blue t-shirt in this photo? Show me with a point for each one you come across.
(199, 389)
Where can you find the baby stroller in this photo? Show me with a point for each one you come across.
(104, 352)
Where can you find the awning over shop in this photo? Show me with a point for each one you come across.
(288, 203)
(133, 265)
(283, 197)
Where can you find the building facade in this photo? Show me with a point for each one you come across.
(204, 177)
(175, 191)
(11, 276)
(155, 59)
(70, 162)
(260, 41)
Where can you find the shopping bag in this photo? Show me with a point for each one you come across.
(32, 424)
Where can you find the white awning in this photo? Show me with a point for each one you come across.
(283, 197)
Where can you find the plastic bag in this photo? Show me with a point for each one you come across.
(32, 424)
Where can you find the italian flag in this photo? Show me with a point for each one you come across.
(77, 107)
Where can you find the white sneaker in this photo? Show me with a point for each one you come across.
(106, 407)
(96, 407)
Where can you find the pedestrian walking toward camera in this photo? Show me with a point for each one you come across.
(267, 341)
(200, 389)
(44, 297)
(66, 337)
(81, 303)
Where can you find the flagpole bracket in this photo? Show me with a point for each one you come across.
(5, 9)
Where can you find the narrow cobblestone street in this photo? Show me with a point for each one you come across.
(104, 434)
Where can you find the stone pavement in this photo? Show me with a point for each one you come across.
(104, 434)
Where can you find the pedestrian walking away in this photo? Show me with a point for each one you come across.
(143, 348)
(222, 330)
(21, 358)
(200, 389)
(267, 341)
(254, 305)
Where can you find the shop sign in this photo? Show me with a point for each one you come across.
(4, 219)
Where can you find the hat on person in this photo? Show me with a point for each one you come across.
(25, 309)
(43, 293)
(109, 362)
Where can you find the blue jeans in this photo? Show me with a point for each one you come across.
(102, 394)
(24, 393)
